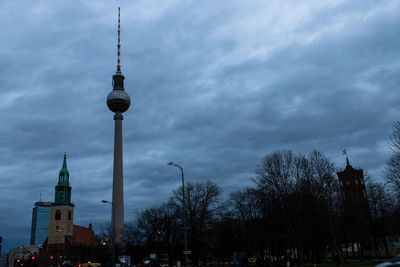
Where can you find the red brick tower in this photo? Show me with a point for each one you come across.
(356, 212)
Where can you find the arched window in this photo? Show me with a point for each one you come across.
(58, 215)
(69, 215)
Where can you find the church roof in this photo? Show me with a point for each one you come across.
(82, 236)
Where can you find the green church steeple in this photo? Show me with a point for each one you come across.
(63, 176)
(63, 189)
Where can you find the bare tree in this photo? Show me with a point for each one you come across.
(105, 232)
(275, 174)
(380, 205)
(202, 207)
(246, 204)
(132, 234)
(158, 224)
(392, 172)
(300, 197)
(246, 213)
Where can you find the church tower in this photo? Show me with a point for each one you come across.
(353, 192)
(356, 216)
(62, 212)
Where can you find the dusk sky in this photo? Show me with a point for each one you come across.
(214, 85)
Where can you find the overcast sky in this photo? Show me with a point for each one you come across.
(215, 86)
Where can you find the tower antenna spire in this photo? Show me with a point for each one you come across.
(119, 42)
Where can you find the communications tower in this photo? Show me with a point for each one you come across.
(118, 101)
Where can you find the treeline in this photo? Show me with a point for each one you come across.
(295, 207)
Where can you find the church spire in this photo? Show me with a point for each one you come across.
(65, 160)
(63, 176)
(63, 189)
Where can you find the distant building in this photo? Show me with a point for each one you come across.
(62, 212)
(40, 222)
(353, 192)
(3, 259)
(65, 240)
(357, 215)
(22, 254)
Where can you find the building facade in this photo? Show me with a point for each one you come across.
(66, 241)
(23, 254)
(357, 215)
(62, 211)
(355, 201)
(40, 222)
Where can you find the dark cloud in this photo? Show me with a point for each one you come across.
(214, 86)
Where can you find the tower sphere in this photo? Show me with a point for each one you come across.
(118, 101)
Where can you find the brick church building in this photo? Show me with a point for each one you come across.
(66, 241)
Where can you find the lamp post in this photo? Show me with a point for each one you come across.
(112, 230)
(58, 230)
(184, 210)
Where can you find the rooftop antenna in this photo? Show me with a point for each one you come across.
(40, 199)
(119, 43)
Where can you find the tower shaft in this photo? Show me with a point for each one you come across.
(118, 101)
(118, 183)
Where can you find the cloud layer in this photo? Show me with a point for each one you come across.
(214, 86)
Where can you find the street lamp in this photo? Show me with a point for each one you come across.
(58, 230)
(184, 210)
(112, 230)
